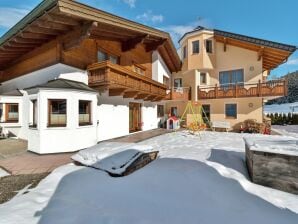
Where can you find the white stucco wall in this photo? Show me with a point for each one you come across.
(42, 76)
(159, 68)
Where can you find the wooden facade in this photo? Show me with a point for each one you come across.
(260, 89)
(65, 31)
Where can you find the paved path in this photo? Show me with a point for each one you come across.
(140, 136)
(15, 159)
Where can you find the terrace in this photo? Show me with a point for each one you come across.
(269, 89)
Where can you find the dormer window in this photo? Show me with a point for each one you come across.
(196, 47)
(209, 46)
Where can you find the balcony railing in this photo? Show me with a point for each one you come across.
(272, 88)
(179, 93)
(122, 81)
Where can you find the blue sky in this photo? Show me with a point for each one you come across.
(273, 20)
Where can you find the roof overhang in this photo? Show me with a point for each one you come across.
(65, 19)
(272, 53)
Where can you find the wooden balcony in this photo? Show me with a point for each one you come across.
(120, 81)
(269, 89)
(180, 93)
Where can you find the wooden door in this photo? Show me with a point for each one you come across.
(135, 118)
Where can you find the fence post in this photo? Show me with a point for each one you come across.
(236, 89)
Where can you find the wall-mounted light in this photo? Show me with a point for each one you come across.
(250, 105)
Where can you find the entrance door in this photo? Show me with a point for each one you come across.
(135, 118)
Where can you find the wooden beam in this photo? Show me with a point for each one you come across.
(12, 49)
(27, 41)
(35, 35)
(41, 30)
(17, 45)
(153, 46)
(225, 44)
(260, 53)
(132, 43)
(141, 96)
(51, 25)
(130, 94)
(116, 92)
(150, 98)
(58, 18)
(74, 38)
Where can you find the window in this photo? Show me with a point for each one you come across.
(177, 83)
(160, 111)
(35, 114)
(57, 113)
(139, 69)
(184, 53)
(114, 59)
(203, 78)
(166, 81)
(12, 112)
(84, 112)
(104, 56)
(1, 112)
(231, 111)
(227, 78)
(174, 111)
(196, 47)
(209, 46)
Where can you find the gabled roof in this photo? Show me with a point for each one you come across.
(273, 53)
(53, 18)
(12, 93)
(64, 84)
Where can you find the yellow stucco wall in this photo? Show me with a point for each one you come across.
(220, 60)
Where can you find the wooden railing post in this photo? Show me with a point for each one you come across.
(216, 91)
(259, 88)
(189, 93)
(236, 89)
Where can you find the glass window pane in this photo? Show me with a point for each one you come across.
(57, 113)
(84, 112)
(114, 59)
(195, 47)
(177, 83)
(231, 110)
(102, 56)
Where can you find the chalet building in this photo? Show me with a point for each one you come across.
(227, 73)
(72, 75)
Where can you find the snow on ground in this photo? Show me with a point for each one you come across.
(286, 130)
(194, 181)
(280, 108)
(3, 173)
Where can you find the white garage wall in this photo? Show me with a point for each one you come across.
(159, 68)
(113, 116)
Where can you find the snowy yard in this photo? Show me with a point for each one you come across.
(289, 130)
(193, 181)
